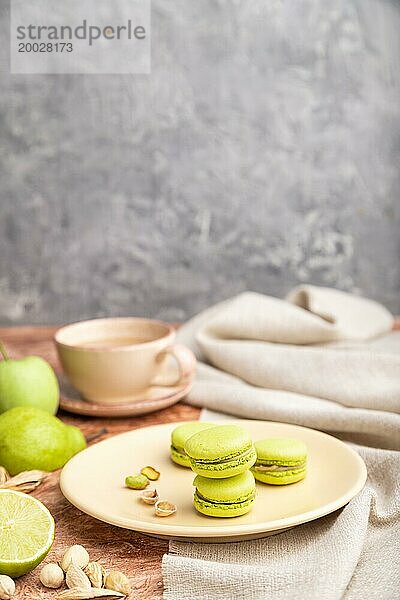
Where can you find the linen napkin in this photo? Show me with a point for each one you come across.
(301, 361)
(324, 359)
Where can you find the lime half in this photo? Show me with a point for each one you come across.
(26, 533)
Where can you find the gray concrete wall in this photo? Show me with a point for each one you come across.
(262, 151)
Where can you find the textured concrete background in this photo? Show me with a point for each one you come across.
(263, 151)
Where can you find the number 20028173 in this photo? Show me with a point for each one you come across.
(45, 47)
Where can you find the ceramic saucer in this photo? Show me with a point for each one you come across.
(154, 398)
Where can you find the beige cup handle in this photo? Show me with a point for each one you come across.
(186, 361)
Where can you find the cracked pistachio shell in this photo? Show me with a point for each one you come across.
(96, 574)
(4, 475)
(76, 578)
(7, 587)
(87, 594)
(115, 580)
(149, 496)
(164, 508)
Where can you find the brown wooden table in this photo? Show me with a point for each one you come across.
(134, 554)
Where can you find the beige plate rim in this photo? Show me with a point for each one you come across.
(230, 530)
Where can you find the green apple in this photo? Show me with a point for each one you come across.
(27, 381)
(30, 438)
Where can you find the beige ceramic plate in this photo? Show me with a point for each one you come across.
(94, 482)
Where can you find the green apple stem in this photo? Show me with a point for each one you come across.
(3, 351)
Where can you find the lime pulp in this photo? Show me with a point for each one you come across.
(26, 532)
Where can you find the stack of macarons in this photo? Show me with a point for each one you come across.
(227, 463)
(221, 456)
(179, 437)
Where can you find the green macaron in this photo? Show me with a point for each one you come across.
(280, 461)
(229, 497)
(221, 451)
(180, 435)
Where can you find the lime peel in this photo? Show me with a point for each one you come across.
(27, 532)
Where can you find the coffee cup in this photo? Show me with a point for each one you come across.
(114, 360)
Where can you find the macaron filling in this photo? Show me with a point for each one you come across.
(238, 502)
(243, 455)
(178, 450)
(271, 468)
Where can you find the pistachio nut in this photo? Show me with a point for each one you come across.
(52, 575)
(136, 482)
(151, 473)
(75, 554)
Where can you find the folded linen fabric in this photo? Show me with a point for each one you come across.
(323, 359)
(351, 554)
